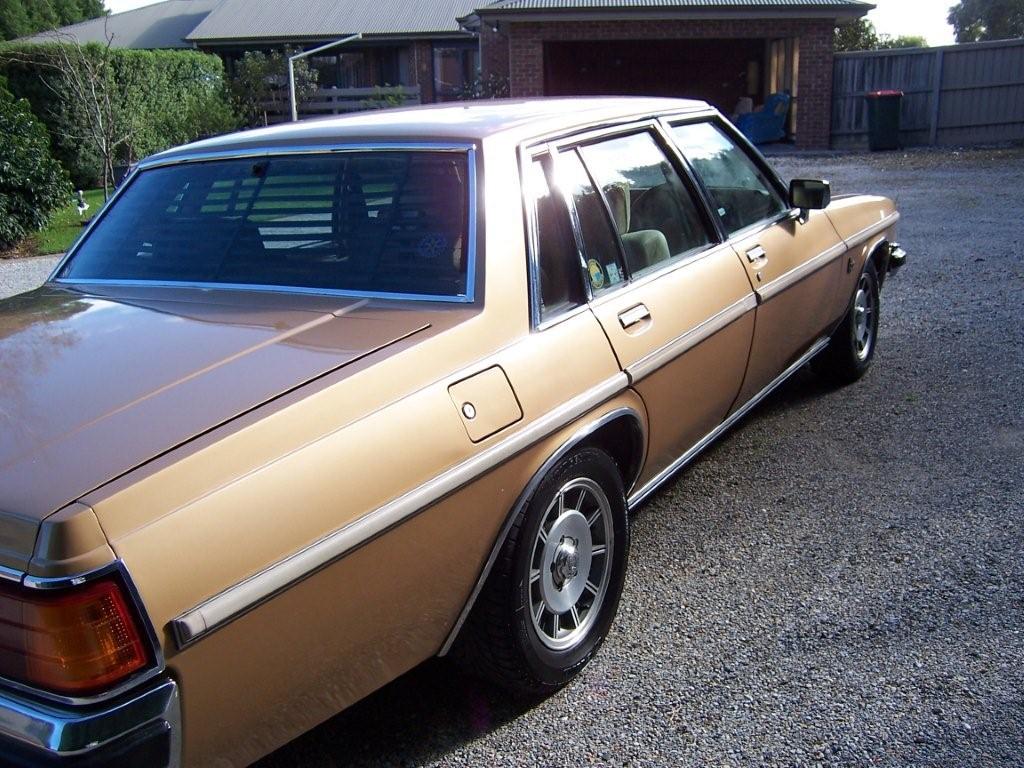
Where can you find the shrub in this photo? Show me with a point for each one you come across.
(32, 183)
(157, 99)
(260, 85)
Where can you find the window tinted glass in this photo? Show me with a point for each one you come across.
(375, 222)
(738, 188)
(561, 279)
(654, 214)
(604, 266)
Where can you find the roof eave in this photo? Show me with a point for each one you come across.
(841, 12)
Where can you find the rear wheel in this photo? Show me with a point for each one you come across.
(852, 346)
(555, 588)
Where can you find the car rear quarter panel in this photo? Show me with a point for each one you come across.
(209, 515)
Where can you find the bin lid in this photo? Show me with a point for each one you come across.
(883, 94)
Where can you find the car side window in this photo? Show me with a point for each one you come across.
(655, 216)
(604, 263)
(558, 263)
(739, 189)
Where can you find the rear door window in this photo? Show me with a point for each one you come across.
(741, 192)
(654, 214)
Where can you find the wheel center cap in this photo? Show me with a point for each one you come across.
(566, 565)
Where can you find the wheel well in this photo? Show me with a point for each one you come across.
(879, 257)
(622, 439)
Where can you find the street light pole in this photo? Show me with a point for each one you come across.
(304, 54)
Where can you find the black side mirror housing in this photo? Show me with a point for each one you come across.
(810, 194)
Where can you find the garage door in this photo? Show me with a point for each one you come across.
(718, 71)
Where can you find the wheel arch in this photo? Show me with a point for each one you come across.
(619, 432)
(879, 256)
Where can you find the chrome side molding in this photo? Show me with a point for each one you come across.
(246, 595)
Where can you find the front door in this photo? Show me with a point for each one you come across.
(794, 265)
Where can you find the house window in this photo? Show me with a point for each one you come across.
(455, 66)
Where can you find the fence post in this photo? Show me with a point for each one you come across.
(933, 137)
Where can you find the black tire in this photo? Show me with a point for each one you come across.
(501, 640)
(851, 349)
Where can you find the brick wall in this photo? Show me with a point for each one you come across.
(521, 47)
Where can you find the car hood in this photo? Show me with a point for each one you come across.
(92, 386)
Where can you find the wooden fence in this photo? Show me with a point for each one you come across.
(337, 101)
(954, 95)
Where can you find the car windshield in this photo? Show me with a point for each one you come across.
(380, 222)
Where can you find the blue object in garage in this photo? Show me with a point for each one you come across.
(768, 123)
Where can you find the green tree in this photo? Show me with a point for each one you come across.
(19, 18)
(13, 20)
(260, 85)
(859, 35)
(903, 41)
(977, 20)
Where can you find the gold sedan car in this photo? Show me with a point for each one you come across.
(308, 405)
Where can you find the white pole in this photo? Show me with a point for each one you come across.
(304, 54)
(291, 89)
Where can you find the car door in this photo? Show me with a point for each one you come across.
(794, 263)
(673, 300)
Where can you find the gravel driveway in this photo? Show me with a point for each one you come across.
(839, 581)
(18, 275)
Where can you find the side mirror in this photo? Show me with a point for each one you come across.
(809, 194)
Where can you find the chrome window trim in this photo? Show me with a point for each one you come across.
(313, 149)
(64, 732)
(523, 499)
(149, 635)
(557, 144)
(238, 599)
(642, 494)
(10, 574)
(689, 339)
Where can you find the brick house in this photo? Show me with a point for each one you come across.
(717, 50)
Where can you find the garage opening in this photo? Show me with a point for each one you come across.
(722, 72)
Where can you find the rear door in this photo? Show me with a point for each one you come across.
(673, 300)
(794, 265)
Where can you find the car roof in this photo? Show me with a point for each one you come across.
(469, 122)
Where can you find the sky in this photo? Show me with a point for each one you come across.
(892, 17)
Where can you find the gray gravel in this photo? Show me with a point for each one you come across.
(20, 275)
(838, 581)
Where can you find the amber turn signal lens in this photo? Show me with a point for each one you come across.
(73, 641)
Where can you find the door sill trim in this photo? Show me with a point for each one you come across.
(642, 494)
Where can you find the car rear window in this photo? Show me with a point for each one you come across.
(380, 222)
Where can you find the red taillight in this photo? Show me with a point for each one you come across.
(73, 641)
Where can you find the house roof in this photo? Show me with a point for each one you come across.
(161, 25)
(286, 20)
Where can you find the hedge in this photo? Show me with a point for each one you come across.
(32, 183)
(165, 98)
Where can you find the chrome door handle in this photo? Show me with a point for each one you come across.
(634, 315)
(756, 254)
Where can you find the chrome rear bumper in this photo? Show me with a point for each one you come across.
(141, 728)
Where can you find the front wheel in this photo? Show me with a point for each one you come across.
(555, 588)
(852, 346)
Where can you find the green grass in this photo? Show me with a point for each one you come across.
(66, 225)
